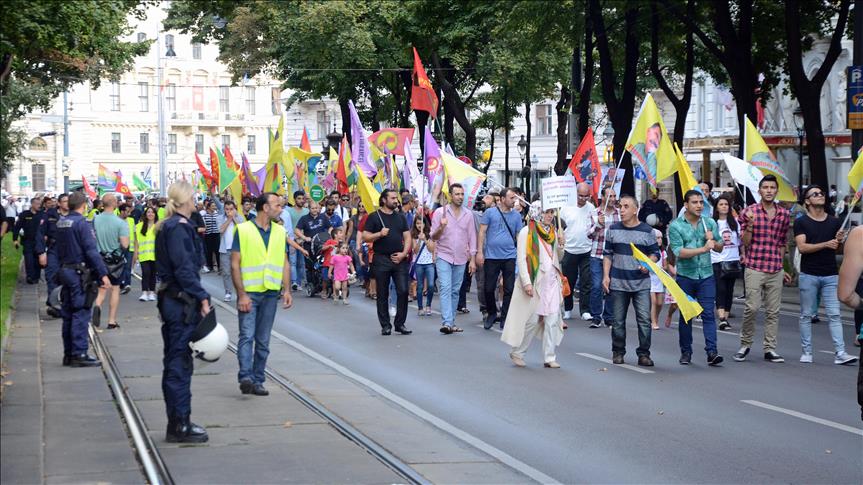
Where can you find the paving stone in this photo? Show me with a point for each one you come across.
(20, 419)
(20, 469)
(118, 477)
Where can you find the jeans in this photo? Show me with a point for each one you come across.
(298, 267)
(620, 302)
(383, 270)
(493, 268)
(425, 279)
(126, 278)
(256, 325)
(450, 278)
(598, 300)
(703, 290)
(225, 263)
(576, 268)
(810, 288)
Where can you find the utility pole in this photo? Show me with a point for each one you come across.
(163, 169)
(65, 141)
(857, 135)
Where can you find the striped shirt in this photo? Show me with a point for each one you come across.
(626, 274)
(211, 222)
(597, 232)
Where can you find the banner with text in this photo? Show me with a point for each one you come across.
(558, 192)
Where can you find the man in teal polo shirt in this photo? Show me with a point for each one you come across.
(691, 238)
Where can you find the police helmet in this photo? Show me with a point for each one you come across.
(209, 340)
(652, 220)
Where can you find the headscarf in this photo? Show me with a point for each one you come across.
(534, 234)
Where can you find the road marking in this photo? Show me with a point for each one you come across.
(435, 421)
(807, 417)
(608, 361)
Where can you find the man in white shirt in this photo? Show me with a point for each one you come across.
(576, 257)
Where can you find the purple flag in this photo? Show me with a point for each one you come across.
(360, 152)
(248, 178)
(261, 176)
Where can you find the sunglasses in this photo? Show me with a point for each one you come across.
(815, 194)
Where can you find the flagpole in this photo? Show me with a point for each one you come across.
(619, 162)
(850, 211)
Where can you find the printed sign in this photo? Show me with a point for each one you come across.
(558, 192)
(855, 97)
(317, 193)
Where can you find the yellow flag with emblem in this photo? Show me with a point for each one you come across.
(689, 308)
(759, 156)
(369, 196)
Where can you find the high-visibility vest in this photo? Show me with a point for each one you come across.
(160, 213)
(260, 267)
(146, 243)
(131, 221)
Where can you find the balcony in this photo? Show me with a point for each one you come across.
(208, 120)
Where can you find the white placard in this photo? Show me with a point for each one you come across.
(559, 192)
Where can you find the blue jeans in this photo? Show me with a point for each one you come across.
(811, 287)
(620, 302)
(703, 290)
(256, 325)
(298, 267)
(598, 305)
(450, 277)
(126, 279)
(425, 280)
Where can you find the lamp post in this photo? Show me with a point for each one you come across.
(522, 149)
(800, 125)
(163, 148)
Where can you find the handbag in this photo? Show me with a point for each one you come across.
(730, 270)
(115, 263)
(564, 282)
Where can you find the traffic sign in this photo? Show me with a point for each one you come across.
(855, 97)
(317, 193)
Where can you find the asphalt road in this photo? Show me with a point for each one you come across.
(590, 421)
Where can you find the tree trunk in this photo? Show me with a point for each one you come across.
(506, 136)
(346, 117)
(448, 126)
(405, 76)
(563, 107)
(456, 105)
(490, 151)
(422, 121)
(587, 86)
(375, 105)
(526, 180)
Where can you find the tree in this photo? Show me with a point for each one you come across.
(806, 90)
(47, 47)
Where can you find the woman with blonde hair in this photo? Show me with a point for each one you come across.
(178, 261)
(536, 298)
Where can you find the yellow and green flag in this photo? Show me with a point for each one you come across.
(456, 171)
(369, 196)
(650, 145)
(689, 308)
(756, 153)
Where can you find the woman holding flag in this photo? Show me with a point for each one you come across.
(535, 306)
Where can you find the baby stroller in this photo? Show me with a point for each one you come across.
(315, 263)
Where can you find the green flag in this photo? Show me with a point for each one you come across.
(226, 173)
(139, 183)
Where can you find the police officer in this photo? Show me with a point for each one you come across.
(79, 259)
(29, 221)
(182, 301)
(46, 243)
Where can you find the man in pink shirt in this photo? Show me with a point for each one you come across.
(454, 233)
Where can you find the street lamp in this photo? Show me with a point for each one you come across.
(800, 125)
(163, 153)
(522, 149)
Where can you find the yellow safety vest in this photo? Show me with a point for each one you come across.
(261, 267)
(146, 243)
(160, 213)
(131, 221)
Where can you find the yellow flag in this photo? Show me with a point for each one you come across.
(236, 190)
(650, 145)
(687, 179)
(855, 176)
(458, 172)
(689, 308)
(368, 194)
(755, 152)
(275, 165)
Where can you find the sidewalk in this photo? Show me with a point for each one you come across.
(57, 424)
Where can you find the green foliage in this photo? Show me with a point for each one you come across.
(10, 259)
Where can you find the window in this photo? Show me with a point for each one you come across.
(224, 99)
(172, 143)
(702, 107)
(169, 46)
(38, 177)
(199, 144)
(226, 141)
(171, 96)
(323, 124)
(275, 101)
(250, 100)
(250, 144)
(143, 98)
(115, 142)
(196, 51)
(142, 37)
(144, 142)
(115, 96)
(543, 119)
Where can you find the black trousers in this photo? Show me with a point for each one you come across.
(383, 269)
(148, 276)
(493, 268)
(576, 267)
(724, 289)
(211, 250)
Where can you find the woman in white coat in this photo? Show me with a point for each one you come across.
(536, 298)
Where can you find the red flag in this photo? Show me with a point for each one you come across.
(423, 97)
(204, 172)
(392, 140)
(341, 171)
(122, 188)
(304, 141)
(214, 168)
(585, 164)
(87, 189)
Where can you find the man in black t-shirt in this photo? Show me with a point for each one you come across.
(312, 223)
(818, 236)
(388, 231)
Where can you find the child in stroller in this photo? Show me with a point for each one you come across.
(315, 263)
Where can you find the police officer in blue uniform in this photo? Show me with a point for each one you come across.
(79, 260)
(46, 243)
(29, 221)
(182, 302)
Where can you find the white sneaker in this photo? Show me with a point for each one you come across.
(392, 311)
(844, 358)
(152, 296)
(229, 297)
(205, 269)
(567, 315)
(806, 358)
(586, 316)
(143, 297)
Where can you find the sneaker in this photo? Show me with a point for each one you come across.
(152, 296)
(685, 358)
(489, 322)
(806, 358)
(740, 297)
(344, 301)
(596, 324)
(645, 361)
(617, 359)
(567, 315)
(260, 390)
(246, 386)
(518, 361)
(205, 269)
(741, 354)
(843, 358)
(773, 357)
(392, 311)
(586, 316)
(126, 289)
(143, 297)
(295, 287)
(724, 325)
(815, 319)
(607, 324)
(714, 359)
(228, 297)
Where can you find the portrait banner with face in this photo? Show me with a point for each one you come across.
(757, 154)
(650, 145)
(612, 177)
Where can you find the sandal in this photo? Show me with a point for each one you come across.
(464, 310)
(565, 326)
(455, 329)
(428, 311)
(445, 330)
(113, 325)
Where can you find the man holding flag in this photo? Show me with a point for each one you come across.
(691, 238)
